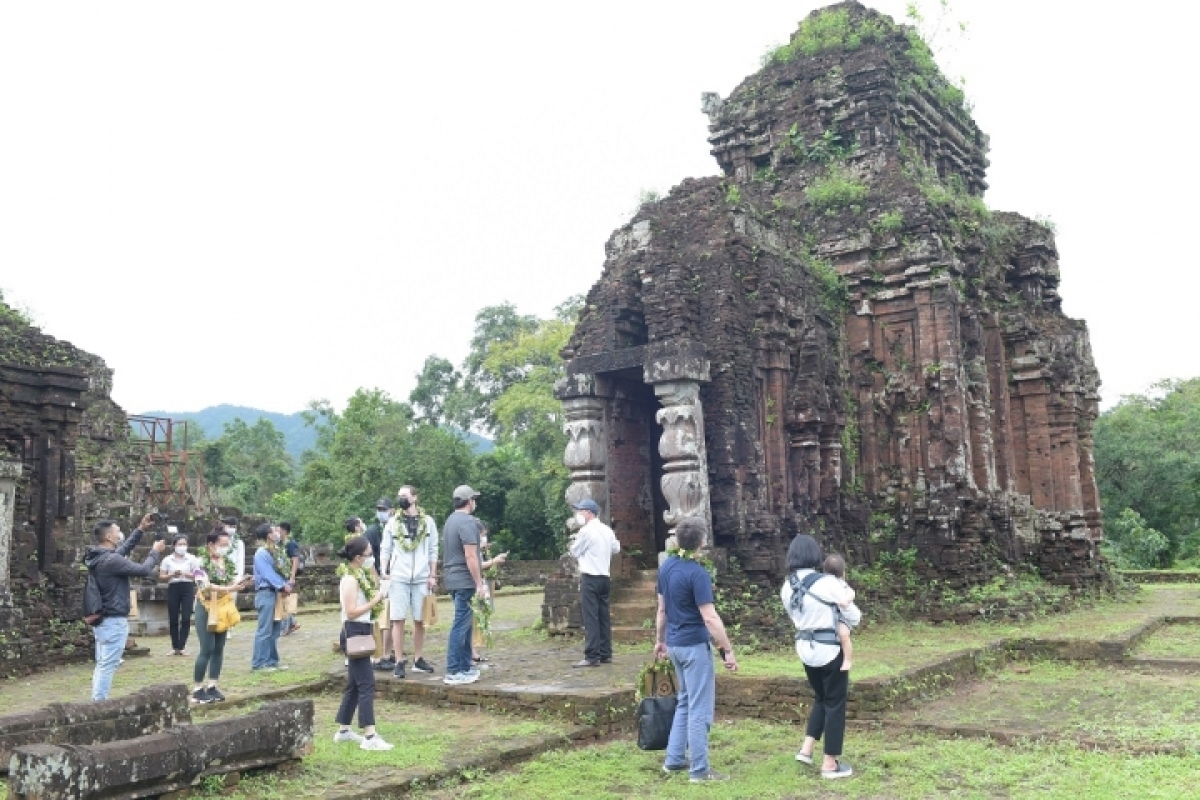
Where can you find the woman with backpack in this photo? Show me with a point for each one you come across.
(812, 600)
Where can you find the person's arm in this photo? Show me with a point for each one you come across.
(580, 545)
(716, 629)
(851, 615)
(616, 543)
(264, 569)
(471, 553)
(432, 544)
(660, 630)
(385, 549)
(132, 569)
(349, 597)
(131, 541)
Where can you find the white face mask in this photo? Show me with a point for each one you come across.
(368, 562)
(181, 550)
(230, 530)
(223, 551)
(120, 537)
(580, 519)
(382, 516)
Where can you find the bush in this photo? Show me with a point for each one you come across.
(1133, 544)
(828, 31)
(838, 188)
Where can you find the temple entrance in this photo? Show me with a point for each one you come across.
(636, 501)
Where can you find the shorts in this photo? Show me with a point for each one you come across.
(407, 600)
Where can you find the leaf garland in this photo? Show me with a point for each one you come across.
(222, 575)
(698, 556)
(659, 666)
(366, 585)
(409, 545)
(483, 608)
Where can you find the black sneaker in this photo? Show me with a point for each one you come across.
(384, 664)
(201, 696)
(214, 696)
(398, 672)
(421, 665)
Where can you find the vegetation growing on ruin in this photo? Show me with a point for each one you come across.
(829, 31)
(837, 189)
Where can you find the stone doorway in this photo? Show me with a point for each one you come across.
(636, 501)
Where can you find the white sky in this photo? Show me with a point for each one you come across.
(267, 203)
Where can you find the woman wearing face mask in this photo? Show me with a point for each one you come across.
(179, 571)
(217, 581)
(360, 596)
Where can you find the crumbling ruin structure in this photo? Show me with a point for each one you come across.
(66, 460)
(836, 336)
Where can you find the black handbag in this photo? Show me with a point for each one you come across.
(655, 715)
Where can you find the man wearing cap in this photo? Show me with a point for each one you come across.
(463, 577)
(593, 547)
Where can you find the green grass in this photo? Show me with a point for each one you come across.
(838, 188)
(423, 737)
(1108, 704)
(759, 757)
(1172, 641)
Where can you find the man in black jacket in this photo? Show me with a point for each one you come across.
(110, 568)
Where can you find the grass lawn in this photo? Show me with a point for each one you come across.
(1107, 704)
(423, 737)
(759, 757)
(1172, 641)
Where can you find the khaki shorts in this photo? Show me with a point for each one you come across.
(407, 600)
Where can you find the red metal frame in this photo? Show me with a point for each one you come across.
(177, 474)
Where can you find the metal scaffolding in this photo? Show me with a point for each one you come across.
(176, 473)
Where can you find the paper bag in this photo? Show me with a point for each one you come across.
(291, 603)
(133, 604)
(280, 606)
(429, 614)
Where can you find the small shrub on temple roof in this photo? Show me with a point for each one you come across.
(828, 31)
(838, 188)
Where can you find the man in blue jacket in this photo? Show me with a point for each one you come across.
(268, 584)
(110, 568)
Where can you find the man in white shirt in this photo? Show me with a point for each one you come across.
(593, 547)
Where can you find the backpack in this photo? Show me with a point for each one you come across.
(93, 601)
(800, 588)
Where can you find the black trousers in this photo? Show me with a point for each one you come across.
(181, 596)
(360, 682)
(828, 715)
(597, 626)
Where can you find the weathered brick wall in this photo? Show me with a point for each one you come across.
(526, 573)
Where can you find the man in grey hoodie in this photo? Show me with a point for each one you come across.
(110, 568)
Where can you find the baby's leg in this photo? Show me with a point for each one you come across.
(843, 631)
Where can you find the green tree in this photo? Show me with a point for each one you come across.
(247, 465)
(1147, 451)
(370, 450)
(438, 384)
(1132, 544)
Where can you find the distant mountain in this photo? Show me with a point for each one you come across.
(297, 435)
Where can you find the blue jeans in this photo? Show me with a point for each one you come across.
(458, 646)
(266, 635)
(110, 635)
(697, 683)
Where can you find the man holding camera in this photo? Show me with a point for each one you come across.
(110, 569)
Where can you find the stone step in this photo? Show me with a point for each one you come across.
(627, 634)
(632, 613)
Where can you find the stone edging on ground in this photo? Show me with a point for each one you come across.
(1160, 575)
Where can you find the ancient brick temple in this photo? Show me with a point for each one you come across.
(836, 336)
(65, 461)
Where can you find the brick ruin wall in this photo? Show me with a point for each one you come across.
(66, 448)
(890, 368)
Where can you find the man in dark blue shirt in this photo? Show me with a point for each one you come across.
(687, 620)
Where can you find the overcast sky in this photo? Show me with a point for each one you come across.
(268, 203)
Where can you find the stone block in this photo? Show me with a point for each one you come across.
(163, 762)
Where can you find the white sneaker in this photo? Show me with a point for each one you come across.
(375, 742)
(347, 736)
(472, 672)
(453, 679)
(469, 677)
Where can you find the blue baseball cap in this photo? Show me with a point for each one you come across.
(587, 504)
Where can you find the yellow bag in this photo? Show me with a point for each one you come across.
(222, 612)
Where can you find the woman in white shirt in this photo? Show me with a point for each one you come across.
(179, 571)
(358, 613)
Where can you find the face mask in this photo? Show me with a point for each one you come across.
(580, 520)
(382, 516)
(403, 503)
(181, 550)
(368, 562)
(120, 537)
(223, 551)
(232, 531)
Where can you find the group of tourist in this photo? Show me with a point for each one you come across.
(392, 566)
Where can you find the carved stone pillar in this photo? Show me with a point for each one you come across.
(10, 472)
(685, 462)
(586, 455)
